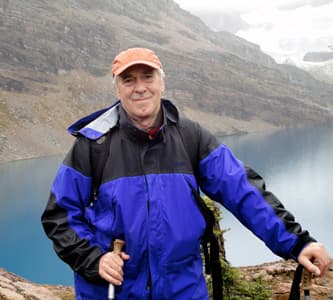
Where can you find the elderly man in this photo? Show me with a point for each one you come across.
(142, 194)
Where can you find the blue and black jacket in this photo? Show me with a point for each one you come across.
(144, 198)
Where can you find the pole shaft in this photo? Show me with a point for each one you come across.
(117, 246)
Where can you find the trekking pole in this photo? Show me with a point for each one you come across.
(307, 282)
(117, 246)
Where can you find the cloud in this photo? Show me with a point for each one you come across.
(282, 28)
(290, 32)
(218, 21)
(296, 4)
(239, 6)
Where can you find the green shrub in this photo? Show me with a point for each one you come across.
(234, 286)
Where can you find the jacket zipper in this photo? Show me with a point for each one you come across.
(148, 284)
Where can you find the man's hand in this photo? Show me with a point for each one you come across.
(111, 267)
(315, 259)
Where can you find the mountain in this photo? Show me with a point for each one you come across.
(319, 65)
(318, 56)
(55, 59)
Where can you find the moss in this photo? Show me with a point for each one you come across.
(234, 287)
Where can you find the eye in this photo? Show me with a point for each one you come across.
(127, 80)
(149, 77)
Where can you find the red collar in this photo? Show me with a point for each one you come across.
(153, 131)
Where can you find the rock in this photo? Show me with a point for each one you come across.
(13, 287)
(318, 56)
(278, 275)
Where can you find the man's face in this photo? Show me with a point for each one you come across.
(140, 89)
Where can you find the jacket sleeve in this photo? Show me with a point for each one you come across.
(64, 219)
(243, 192)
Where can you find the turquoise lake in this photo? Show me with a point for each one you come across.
(297, 165)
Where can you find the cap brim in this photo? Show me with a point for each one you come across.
(137, 62)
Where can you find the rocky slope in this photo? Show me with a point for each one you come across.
(55, 58)
(323, 71)
(278, 275)
(319, 65)
(13, 287)
(319, 56)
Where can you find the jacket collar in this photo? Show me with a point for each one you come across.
(100, 122)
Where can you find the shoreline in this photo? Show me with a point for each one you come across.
(4, 162)
(267, 131)
(278, 276)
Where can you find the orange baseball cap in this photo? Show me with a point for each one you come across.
(134, 56)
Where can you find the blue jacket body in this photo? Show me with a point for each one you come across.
(144, 198)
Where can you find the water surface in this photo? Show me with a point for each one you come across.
(296, 164)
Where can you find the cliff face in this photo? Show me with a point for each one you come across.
(320, 65)
(55, 58)
(318, 56)
(278, 275)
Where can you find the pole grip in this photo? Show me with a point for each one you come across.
(117, 247)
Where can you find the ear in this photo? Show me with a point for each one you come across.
(162, 85)
(115, 89)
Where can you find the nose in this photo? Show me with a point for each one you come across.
(140, 86)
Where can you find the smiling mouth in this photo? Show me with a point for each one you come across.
(141, 99)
